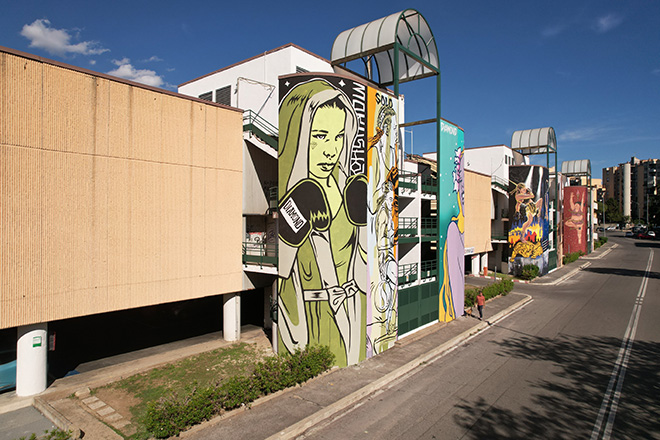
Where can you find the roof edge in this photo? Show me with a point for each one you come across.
(71, 67)
(277, 49)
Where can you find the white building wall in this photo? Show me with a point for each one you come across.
(254, 82)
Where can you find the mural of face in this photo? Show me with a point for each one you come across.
(326, 141)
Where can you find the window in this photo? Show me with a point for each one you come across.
(208, 96)
(223, 95)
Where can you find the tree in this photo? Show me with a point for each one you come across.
(612, 211)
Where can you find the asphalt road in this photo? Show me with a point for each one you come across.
(580, 361)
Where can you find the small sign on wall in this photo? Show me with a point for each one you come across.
(36, 341)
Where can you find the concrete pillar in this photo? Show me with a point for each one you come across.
(484, 260)
(231, 310)
(475, 260)
(31, 359)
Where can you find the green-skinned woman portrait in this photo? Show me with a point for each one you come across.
(322, 264)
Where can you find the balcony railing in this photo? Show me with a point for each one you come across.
(429, 225)
(263, 254)
(429, 185)
(407, 273)
(499, 182)
(428, 268)
(272, 197)
(263, 129)
(408, 225)
(408, 180)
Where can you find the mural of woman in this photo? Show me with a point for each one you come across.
(576, 220)
(452, 292)
(322, 262)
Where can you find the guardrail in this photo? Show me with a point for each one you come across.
(428, 268)
(407, 273)
(263, 129)
(260, 253)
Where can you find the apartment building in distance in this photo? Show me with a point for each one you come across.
(631, 184)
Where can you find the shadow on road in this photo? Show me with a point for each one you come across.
(621, 272)
(567, 402)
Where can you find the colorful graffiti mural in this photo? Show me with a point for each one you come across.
(451, 222)
(529, 231)
(338, 216)
(383, 217)
(575, 219)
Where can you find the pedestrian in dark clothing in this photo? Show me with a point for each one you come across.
(481, 301)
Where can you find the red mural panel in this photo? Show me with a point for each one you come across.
(575, 219)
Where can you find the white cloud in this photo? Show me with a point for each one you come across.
(92, 62)
(586, 133)
(553, 31)
(57, 41)
(153, 59)
(607, 22)
(656, 71)
(126, 70)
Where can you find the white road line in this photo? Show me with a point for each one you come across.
(613, 393)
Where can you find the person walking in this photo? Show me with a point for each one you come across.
(481, 301)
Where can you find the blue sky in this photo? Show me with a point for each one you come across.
(590, 69)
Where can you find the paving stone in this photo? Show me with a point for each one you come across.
(114, 417)
(89, 400)
(96, 405)
(120, 424)
(106, 411)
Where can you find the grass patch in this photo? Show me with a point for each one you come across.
(179, 378)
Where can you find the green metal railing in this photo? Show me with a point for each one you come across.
(498, 181)
(428, 268)
(261, 128)
(429, 185)
(498, 237)
(260, 253)
(407, 273)
(408, 180)
(408, 225)
(272, 197)
(429, 225)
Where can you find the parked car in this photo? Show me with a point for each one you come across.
(629, 234)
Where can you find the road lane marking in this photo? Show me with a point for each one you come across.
(613, 392)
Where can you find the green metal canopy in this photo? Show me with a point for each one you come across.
(401, 46)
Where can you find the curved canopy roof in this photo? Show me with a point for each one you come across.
(534, 141)
(576, 167)
(376, 40)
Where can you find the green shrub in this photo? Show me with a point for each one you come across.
(529, 272)
(502, 287)
(169, 416)
(569, 258)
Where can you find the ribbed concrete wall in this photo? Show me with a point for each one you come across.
(113, 196)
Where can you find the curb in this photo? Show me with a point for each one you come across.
(314, 419)
(566, 276)
(57, 418)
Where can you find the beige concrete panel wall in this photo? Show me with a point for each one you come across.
(68, 98)
(477, 212)
(132, 199)
(21, 82)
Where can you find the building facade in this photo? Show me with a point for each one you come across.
(632, 184)
(114, 196)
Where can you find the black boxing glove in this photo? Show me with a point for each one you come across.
(355, 199)
(302, 209)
